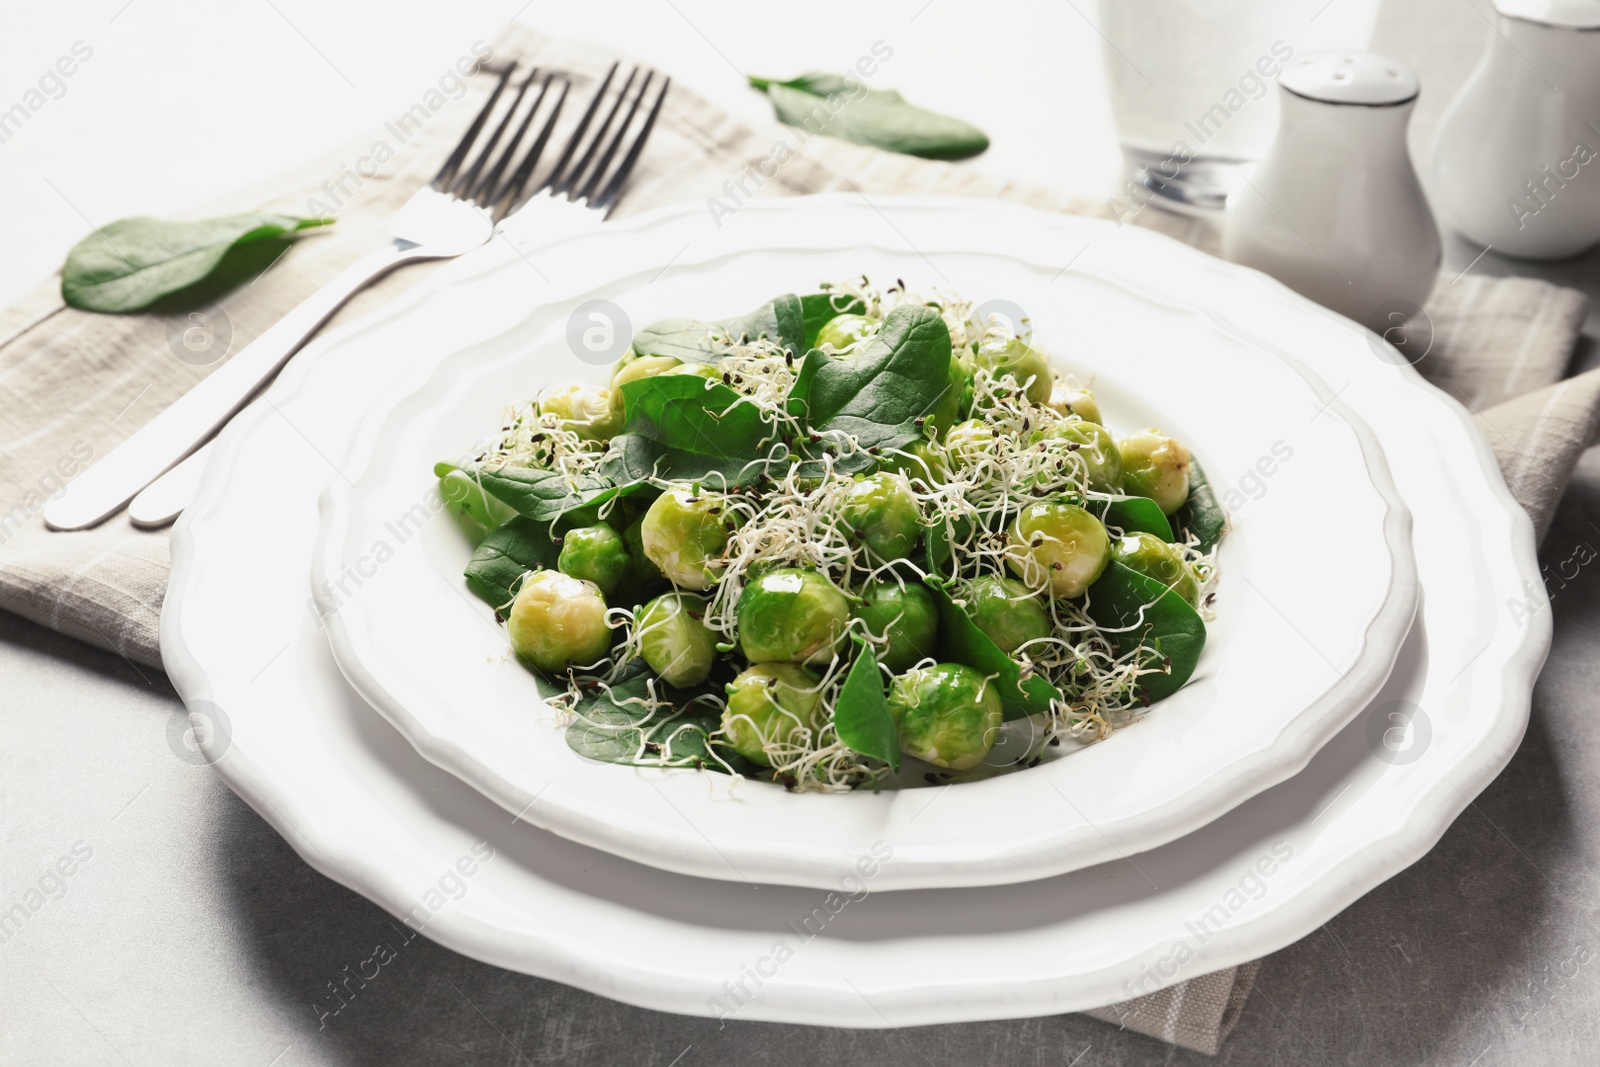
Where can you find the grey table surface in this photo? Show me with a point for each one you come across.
(188, 932)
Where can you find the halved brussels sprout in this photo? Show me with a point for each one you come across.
(557, 621)
(1059, 547)
(1153, 557)
(684, 533)
(882, 511)
(1007, 611)
(1155, 466)
(595, 554)
(907, 615)
(791, 616)
(771, 706)
(949, 715)
(674, 639)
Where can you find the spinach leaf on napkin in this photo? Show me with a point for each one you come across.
(131, 264)
(836, 106)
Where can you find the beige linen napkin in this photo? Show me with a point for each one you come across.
(73, 385)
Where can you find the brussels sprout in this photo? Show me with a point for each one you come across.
(1027, 365)
(1153, 557)
(1057, 546)
(558, 621)
(595, 554)
(905, 614)
(791, 616)
(770, 706)
(842, 332)
(968, 443)
(1073, 400)
(633, 370)
(949, 715)
(1156, 466)
(1097, 447)
(674, 640)
(584, 409)
(919, 463)
(684, 534)
(956, 400)
(643, 571)
(881, 510)
(1007, 611)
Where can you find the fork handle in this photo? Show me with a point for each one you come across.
(174, 433)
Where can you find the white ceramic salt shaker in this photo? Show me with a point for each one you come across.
(1516, 161)
(1335, 211)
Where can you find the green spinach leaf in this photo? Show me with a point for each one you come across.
(861, 714)
(1202, 514)
(960, 641)
(835, 106)
(1161, 619)
(681, 426)
(616, 731)
(781, 319)
(507, 553)
(130, 264)
(546, 495)
(893, 379)
(1137, 514)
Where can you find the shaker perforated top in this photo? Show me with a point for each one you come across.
(1358, 78)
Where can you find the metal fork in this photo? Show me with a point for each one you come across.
(457, 212)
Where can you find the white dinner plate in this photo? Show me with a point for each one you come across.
(1285, 666)
(243, 644)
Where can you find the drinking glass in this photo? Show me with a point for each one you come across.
(1193, 85)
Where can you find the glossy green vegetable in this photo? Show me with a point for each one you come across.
(836, 106)
(613, 726)
(949, 715)
(918, 462)
(507, 553)
(557, 622)
(675, 640)
(842, 332)
(131, 264)
(642, 570)
(683, 427)
(684, 533)
(781, 320)
(1155, 558)
(956, 400)
(906, 616)
(1057, 546)
(466, 497)
(1149, 614)
(771, 706)
(861, 714)
(1202, 515)
(1138, 514)
(584, 409)
(1097, 448)
(883, 513)
(1008, 612)
(1075, 400)
(595, 554)
(960, 641)
(791, 616)
(1026, 365)
(1156, 466)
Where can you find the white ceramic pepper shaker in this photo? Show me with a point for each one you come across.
(1516, 161)
(1335, 210)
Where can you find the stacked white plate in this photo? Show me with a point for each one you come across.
(1364, 678)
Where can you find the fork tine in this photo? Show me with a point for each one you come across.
(488, 190)
(570, 182)
(609, 196)
(512, 192)
(577, 135)
(611, 149)
(447, 172)
(470, 186)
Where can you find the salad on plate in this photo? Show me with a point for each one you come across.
(847, 536)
